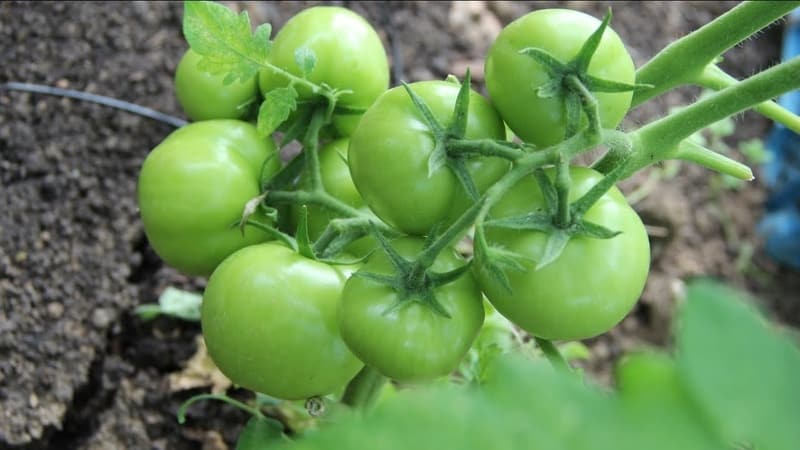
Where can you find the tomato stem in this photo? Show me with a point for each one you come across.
(364, 388)
(311, 146)
(715, 78)
(222, 397)
(684, 60)
(562, 185)
(659, 140)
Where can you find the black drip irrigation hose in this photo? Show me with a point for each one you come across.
(94, 98)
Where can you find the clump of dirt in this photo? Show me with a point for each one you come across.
(79, 370)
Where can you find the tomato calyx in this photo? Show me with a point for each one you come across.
(413, 281)
(568, 79)
(443, 135)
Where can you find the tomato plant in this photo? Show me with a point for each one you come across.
(390, 149)
(557, 250)
(406, 339)
(514, 79)
(269, 322)
(193, 188)
(592, 285)
(204, 96)
(350, 56)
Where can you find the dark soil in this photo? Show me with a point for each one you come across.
(79, 370)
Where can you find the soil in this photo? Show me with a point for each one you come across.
(79, 370)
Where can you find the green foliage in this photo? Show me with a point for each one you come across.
(703, 398)
(225, 40)
(175, 303)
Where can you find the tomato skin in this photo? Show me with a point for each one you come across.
(389, 153)
(349, 55)
(412, 342)
(193, 187)
(592, 285)
(512, 78)
(204, 96)
(269, 321)
(337, 182)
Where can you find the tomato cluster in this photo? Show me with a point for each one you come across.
(278, 318)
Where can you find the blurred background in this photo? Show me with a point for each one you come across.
(78, 369)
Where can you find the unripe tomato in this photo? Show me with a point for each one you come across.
(513, 79)
(412, 342)
(591, 286)
(269, 322)
(204, 96)
(193, 187)
(390, 149)
(349, 55)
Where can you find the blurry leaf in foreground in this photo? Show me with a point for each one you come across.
(744, 374)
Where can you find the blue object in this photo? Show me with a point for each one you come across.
(781, 223)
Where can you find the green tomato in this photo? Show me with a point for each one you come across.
(411, 342)
(337, 182)
(193, 187)
(349, 55)
(204, 96)
(591, 286)
(390, 149)
(513, 79)
(269, 321)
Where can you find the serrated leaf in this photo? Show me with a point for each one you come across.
(278, 104)
(556, 242)
(742, 372)
(225, 40)
(306, 59)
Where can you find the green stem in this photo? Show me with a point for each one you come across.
(552, 354)
(222, 397)
(690, 151)
(311, 147)
(684, 60)
(562, 185)
(715, 78)
(485, 147)
(364, 389)
(659, 140)
(318, 198)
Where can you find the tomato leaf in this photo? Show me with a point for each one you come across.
(260, 432)
(306, 59)
(225, 41)
(743, 372)
(173, 302)
(427, 115)
(278, 104)
(556, 242)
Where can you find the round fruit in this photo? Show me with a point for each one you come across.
(193, 187)
(204, 96)
(411, 341)
(591, 286)
(390, 149)
(269, 322)
(513, 79)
